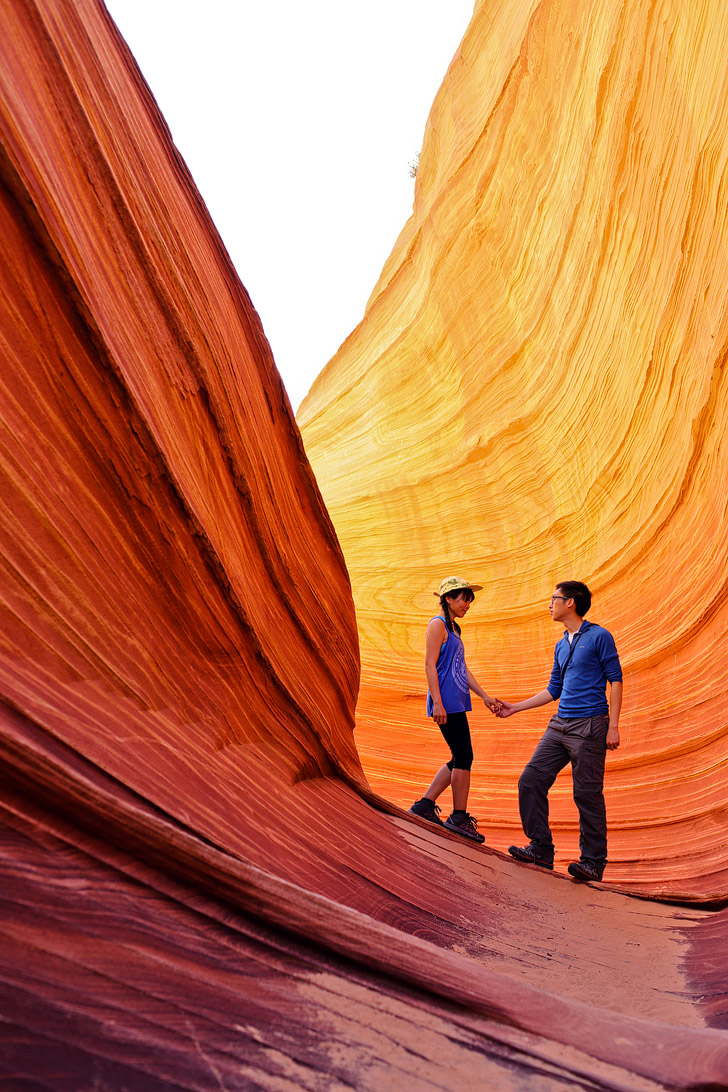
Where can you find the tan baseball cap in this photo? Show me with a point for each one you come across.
(455, 583)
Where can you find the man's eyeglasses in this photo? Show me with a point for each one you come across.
(565, 598)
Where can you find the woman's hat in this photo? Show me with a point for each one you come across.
(455, 583)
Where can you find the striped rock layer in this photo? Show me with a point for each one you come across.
(538, 391)
(198, 889)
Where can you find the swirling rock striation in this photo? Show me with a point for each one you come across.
(537, 392)
(198, 889)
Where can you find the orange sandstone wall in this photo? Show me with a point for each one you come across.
(538, 391)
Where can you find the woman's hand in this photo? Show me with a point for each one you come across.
(491, 703)
(438, 712)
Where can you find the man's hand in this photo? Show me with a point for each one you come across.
(505, 708)
(612, 738)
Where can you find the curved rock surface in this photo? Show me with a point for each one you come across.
(199, 890)
(537, 392)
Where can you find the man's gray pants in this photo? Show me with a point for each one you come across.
(582, 742)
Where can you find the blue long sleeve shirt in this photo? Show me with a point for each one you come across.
(581, 686)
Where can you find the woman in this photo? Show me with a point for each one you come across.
(448, 703)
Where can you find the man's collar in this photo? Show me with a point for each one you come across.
(585, 624)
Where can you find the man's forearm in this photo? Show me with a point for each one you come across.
(615, 703)
(542, 698)
(615, 706)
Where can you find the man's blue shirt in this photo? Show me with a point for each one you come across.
(594, 661)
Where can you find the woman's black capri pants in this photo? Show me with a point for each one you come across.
(457, 736)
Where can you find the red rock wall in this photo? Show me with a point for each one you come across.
(197, 889)
(150, 456)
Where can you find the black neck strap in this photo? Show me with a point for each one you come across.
(574, 639)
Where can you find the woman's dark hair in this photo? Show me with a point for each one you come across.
(469, 595)
(574, 589)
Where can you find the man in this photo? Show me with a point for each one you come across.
(582, 732)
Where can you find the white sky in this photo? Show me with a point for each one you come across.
(298, 120)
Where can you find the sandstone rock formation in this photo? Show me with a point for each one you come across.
(199, 890)
(537, 392)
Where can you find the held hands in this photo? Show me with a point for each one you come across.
(505, 708)
(492, 703)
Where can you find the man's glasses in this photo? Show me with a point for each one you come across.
(564, 597)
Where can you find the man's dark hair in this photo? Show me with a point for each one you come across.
(574, 589)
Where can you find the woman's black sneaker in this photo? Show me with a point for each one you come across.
(586, 872)
(527, 854)
(427, 809)
(464, 824)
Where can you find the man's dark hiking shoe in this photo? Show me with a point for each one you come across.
(586, 871)
(427, 809)
(527, 854)
(464, 824)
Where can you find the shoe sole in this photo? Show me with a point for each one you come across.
(464, 834)
(533, 861)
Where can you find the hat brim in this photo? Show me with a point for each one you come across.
(463, 587)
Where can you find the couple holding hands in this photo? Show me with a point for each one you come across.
(584, 729)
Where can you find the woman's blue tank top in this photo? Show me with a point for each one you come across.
(452, 676)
